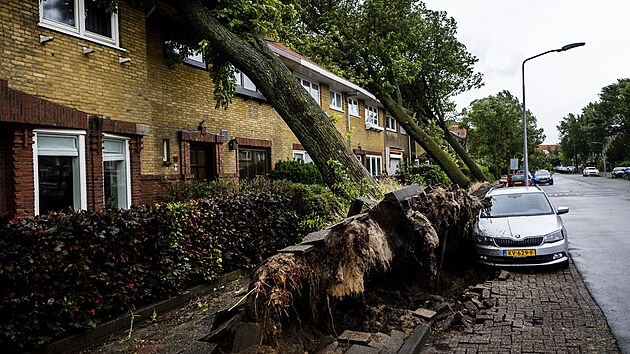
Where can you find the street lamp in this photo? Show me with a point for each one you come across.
(525, 157)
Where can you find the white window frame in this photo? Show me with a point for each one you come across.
(312, 88)
(306, 158)
(79, 29)
(336, 100)
(80, 136)
(353, 107)
(371, 118)
(243, 81)
(374, 161)
(391, 123)
(127, 161)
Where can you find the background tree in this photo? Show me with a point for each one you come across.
(495, 130)
(574, 144)
(405, 54)
(606, 121)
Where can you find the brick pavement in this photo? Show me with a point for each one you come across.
(536, 311)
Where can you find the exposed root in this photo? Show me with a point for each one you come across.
(409, 232)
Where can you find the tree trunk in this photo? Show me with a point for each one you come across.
(459, 149)
(306, 119)
(434, 150)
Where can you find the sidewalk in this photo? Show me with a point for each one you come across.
(536, 311)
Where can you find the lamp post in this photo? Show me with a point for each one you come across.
(603, 156)
(525, 157)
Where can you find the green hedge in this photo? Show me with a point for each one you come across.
(63, 273)
(297, 171)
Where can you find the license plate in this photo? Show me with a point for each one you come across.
(543, 180)
(519, 253)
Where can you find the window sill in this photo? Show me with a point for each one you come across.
(76, 35)
(391, 130)
(249, 93)
(337, 109)
(374, 127)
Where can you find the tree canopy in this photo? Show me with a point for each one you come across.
(495, 130)
(602, 126)
(406, 54)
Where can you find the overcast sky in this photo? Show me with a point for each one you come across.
(503, 33)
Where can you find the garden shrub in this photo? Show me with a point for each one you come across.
(63, 273)
(425, 174)
(297, 171)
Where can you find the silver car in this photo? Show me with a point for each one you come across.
(522, 228)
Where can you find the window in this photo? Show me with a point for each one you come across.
(243, 81)
(402, 130)
(59, 164)
(391, 123)
(312, 89)
(196, 59)
(353, 107)
(301, 155)
(253, 162)
(166, 150)
(116, 172)
(335, 101)
(371, 117)
(374, 164)
(84, 18)
(202, 161)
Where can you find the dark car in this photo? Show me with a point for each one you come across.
(518, 179)
(542, 177)
(618, 172)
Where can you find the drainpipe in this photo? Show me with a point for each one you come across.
(348, 118)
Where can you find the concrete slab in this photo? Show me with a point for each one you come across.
(355, 337)
(315, 238)
(299, 249)
(425, 314)
(415, 341)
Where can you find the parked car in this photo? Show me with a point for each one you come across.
(590, 171)
(617, 172)
(518, 179)
(626, 174)
(522, 228)
(543, 176)
(503, 179)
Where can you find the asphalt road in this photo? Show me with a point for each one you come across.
(598, 225)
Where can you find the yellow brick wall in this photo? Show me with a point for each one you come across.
(146, 90)
(181, 98)
(59, 71)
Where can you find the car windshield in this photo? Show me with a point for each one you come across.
(519, 204)
(517, 177)
(542, 173)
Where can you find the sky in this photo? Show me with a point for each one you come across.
(503, 33)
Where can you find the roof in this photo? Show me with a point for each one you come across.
(304, 66)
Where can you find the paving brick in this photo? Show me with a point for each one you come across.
(534, 313)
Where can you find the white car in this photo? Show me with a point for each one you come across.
(522, 228)
(590, 171)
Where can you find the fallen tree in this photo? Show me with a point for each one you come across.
(412, 227)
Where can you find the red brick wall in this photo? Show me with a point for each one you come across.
(20, 113)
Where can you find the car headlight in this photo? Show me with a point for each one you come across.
(484, 240)
(554, 236)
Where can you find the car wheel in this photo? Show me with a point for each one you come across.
(551, 183)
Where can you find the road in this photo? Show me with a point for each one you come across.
(598, 225)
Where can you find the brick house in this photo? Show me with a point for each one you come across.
(91, 115)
